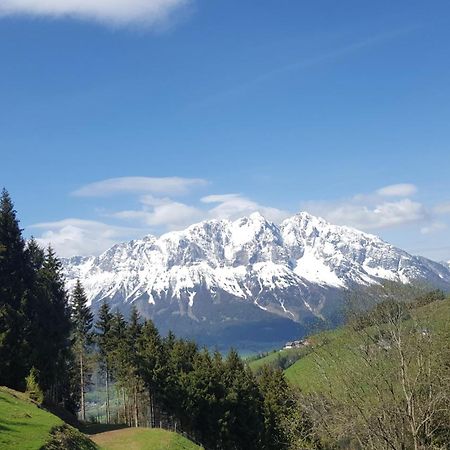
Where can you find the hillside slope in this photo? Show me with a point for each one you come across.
(25, 426)
(320, 370)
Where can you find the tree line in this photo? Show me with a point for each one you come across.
(170, 382)
(35, 317)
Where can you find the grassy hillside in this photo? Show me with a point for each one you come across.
(143, 439)
(22, 424)
(25, 426)
(337, 350)
(280, 358)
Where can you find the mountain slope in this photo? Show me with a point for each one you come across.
(317, 371)
(24, 425)
(217, 275)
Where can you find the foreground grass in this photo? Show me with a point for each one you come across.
(23, 425)
(142, 439)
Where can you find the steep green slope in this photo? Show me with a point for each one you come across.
(25, 426)
(281, 358)
(143, 439)
(22, 424)
(318, 371)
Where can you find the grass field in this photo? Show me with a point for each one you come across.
(337, 351)
(25, 426)
(142, 439)
(22, 424)
(277, 358)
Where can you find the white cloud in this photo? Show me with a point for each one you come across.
(167, 214)
(433, 227)
(442, 208)
(139, 185)
(370, 216)
(164, 214)
(71, 237)
(397, 190)
(375, 210)
(117, 12)
(232, 206)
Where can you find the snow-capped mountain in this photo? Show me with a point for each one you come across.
(219, 274)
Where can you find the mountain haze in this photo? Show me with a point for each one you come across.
(248, 280)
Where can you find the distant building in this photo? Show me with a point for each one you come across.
(297, 344)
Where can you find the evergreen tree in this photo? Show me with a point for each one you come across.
(82, 319)
(243, 404)
(53, 329)
(278, 405)
(150, 365)
(119, 360)
(133, 380)
(104, 342)
(14, 290)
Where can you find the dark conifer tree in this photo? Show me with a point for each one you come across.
(278, 405)
(119, 361)
(104, 342)
(244, 405)
(14, 292)
(134, 383)
(82, 319)
(53, 317)
(150, 365)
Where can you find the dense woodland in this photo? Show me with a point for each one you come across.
(50, 345)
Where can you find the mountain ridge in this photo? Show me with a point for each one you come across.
(213, 272)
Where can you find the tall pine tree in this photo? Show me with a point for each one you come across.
(54, 329)
(14, 292)
(82, 319)
(103, 335)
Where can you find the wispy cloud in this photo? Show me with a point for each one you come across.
(442, 208)
(116, 12)
(166, 214)
(139, 185)
(71, 237)
(159, 210)
(326, 57)
(373, 211)
(232, 206)
(433, 227)
(397, 190)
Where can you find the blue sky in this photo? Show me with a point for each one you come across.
(123, 118)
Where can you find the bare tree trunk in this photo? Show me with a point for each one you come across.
(108, 411)
(136, 411)
(152, 410)
(125, 416)
(83, 403)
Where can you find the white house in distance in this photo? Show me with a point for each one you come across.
(297, 344)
